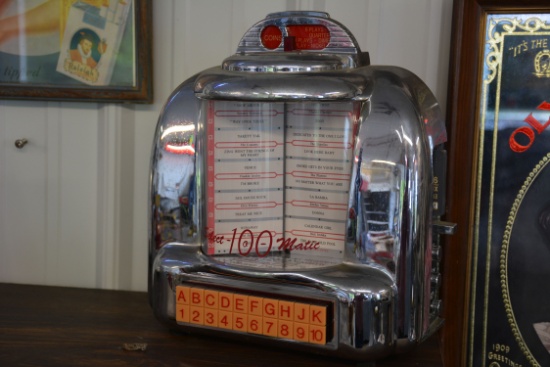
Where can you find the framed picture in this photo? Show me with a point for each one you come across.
(85, 50)
(499, 116)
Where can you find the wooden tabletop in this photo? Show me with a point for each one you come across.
(54, 326)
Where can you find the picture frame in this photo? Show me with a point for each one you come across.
(41, 61)
(489, 184)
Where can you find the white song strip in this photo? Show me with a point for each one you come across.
(247, 181)
(319, 156)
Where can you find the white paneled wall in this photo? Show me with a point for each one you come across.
(73, 201)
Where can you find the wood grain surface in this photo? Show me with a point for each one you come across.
(55, 326)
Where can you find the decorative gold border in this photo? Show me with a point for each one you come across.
(512, 25)
(504, 257)
(539, 71)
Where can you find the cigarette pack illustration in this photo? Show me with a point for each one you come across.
(91, 40)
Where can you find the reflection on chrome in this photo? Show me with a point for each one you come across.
(378, 211)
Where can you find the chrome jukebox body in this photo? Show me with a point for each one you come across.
(295, 196)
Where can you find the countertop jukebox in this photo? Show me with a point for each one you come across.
(296, 193)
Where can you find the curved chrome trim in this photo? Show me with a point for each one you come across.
(216, 83)
(271, 62)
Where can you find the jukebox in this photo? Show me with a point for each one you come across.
(296, 195)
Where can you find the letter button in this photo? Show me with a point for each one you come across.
(255, 305)
(197, 297)
(286, 310)
(240, 303)
(318, 315)
(210, 298)
(270, 307)
(182, 295)
(225, 300)
(301, 313)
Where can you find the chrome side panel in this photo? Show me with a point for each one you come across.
(391, 228)
(174, 195)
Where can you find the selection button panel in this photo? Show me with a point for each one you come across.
(252, 314)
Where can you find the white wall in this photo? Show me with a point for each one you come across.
(73, 202)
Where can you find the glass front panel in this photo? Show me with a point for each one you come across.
(278, 181)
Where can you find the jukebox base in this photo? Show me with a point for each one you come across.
(346, 310)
